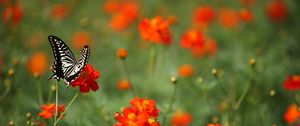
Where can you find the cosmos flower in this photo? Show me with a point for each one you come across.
(292, 114)
(192, 38)
(210, 48)
(59, 11)
(213, 124)
(292, 83)
(155, 30)
(204, 15)
(181, 119)
(49, 110)
(87, 79)
(12, 14)
(123, 85)
(228, 18)
(122, 53)
(277, 10)
(245, 15)
(37, 63)
(186, 70)
(80, 39)
(142, 113)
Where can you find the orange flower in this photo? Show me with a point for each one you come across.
(186, 70)
(209, 48)
(80, 39)
(245, 15)
(204, 15)
(49, 110)
(155, 30)
(122, 53)
(142, 113)
(12, 14)
(277, 10)
(292, 83)
(228, 18)
(181, 119)
(192, 38)
(292, 114)
(124, 85)
(123, 13)
(37, 63)
(59, 11)
(145, 105)
(213, 124)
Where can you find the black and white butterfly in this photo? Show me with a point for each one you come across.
(65, 66)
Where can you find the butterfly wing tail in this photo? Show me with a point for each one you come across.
(54, 77)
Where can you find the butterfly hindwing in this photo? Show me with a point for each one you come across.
(65, 65)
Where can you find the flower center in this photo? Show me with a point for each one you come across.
(131, 116)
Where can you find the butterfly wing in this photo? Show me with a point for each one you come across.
(80, 64)
(64, 58)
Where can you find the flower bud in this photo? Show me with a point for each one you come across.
(122, 53)
(11, 72)
(11, 123)
(252, 62)
(174, 80)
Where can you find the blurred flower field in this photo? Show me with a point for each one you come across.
(152, 63)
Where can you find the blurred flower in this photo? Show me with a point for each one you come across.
(209, 48)
(247, 3)
(124, 85)
(292, 83)
(123, 13)
(87, 79)
(49, 110)
(145, 105)
(37, 123)
(80, 39)
(292, 114)
(228, 18)
(142, 113)
(122, 53)
(3, 2)
(192, 38)
(181, 119)
(12, 14)
(213, 124)
(59, 11)
(186, 70)
(203, 16)
(37, 63)
(172, 19)
(155, 30)
(277, 10)
(245, 15)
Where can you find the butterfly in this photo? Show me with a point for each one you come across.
(65, 66)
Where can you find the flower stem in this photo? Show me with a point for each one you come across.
(129, 78)
(67, 108)
(245, 91)
(56, 102)
(39, 91)
(170, 105)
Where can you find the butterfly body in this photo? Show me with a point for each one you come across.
(65, 66)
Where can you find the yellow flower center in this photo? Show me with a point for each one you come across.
(151, 120)
(296, 78)
(131, 116)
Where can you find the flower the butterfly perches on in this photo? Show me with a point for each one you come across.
(87, 79)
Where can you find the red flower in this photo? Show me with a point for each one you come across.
(192, 38)
(155, 30)
(142, 113)
(87, 79)
(181, 119)
(292, 83)
(123, 13)
(145, 105)
(13, 14)
(49, 110)
(210, 48)
(59, 11)
(277, 10)
(245, 15)
(186, 70)
(292, 114)
(228, 18)
(204, 15)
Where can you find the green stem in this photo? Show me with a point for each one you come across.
(170, 105)
(67, 108)
(245, 91)
(129, 78)
(56, 102)
(39, 90)
(152, 61)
